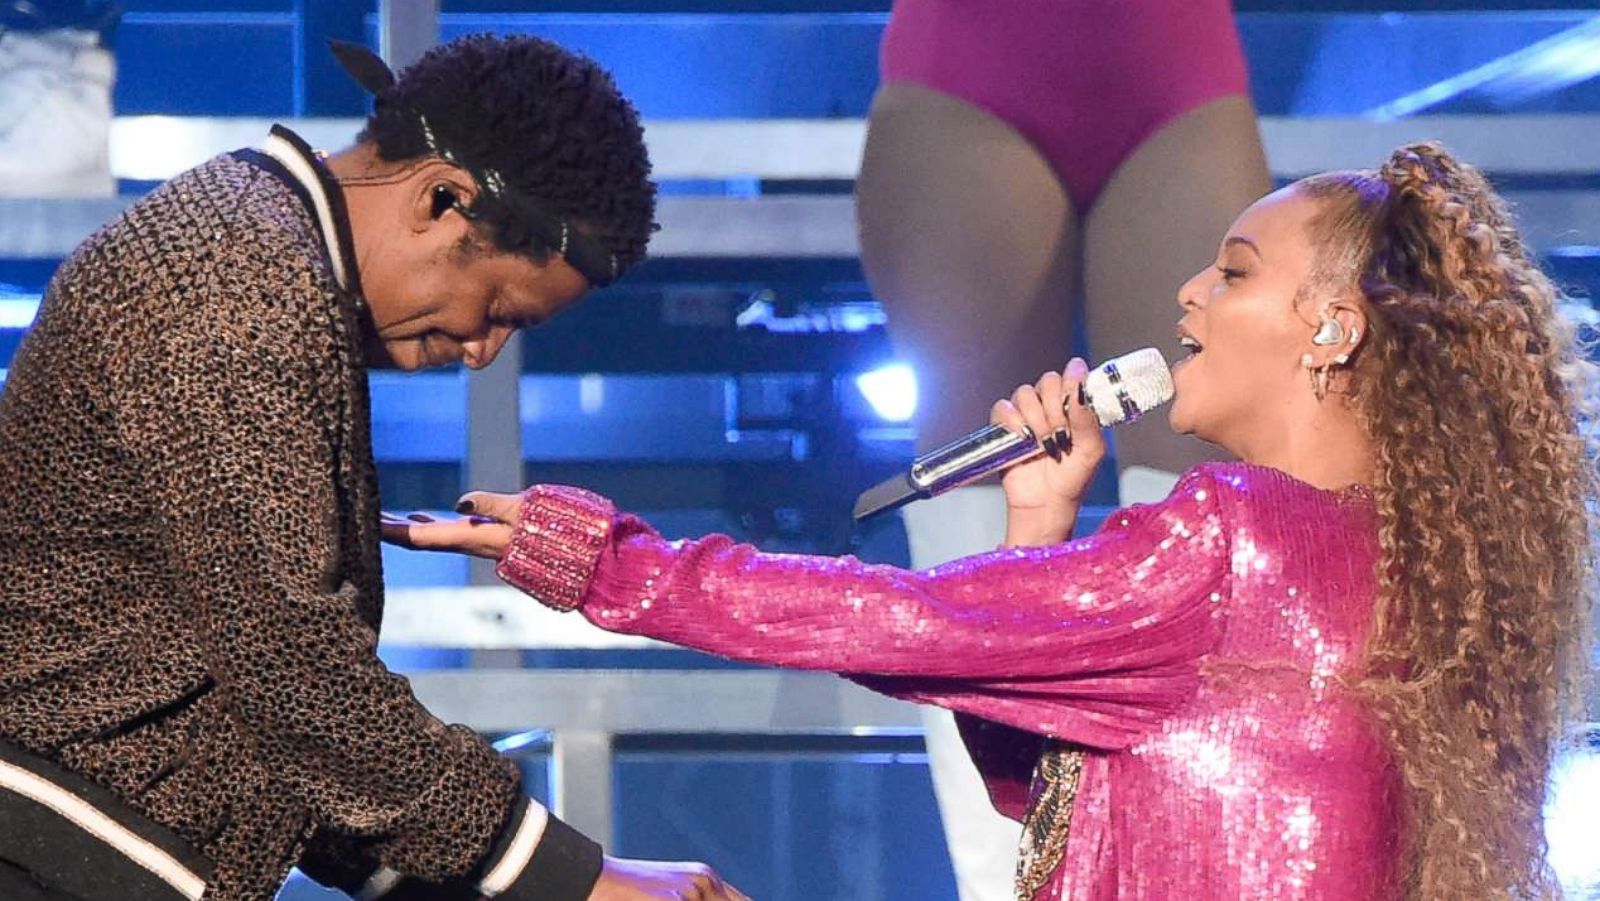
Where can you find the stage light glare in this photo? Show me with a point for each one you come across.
(1570, 819)
(17, 312)
(891, 390)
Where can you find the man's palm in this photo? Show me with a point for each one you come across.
(648, 880)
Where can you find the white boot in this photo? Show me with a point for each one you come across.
(983, 844)
(55, 114)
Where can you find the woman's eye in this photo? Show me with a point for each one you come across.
(1229, 275)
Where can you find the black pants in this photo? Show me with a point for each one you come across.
(17, 884)
(63, 838)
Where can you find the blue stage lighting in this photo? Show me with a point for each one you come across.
(891, 390)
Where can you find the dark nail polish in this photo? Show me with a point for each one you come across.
(1064, 440)
(464, 507)
(1051, 448)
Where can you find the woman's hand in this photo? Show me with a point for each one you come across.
(1044, 494)
(485, 530)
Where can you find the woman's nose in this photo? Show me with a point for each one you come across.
(1191, 291)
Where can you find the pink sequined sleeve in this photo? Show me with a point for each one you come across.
(1093, 641)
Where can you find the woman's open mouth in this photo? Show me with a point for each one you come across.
(1189, 344)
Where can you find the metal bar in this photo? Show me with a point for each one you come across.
(492, 618)
(494, 404)
(494, 436)
(734, 7)
(1384, 7)
(776, 227)
(1544, 67)
(150, 148)
(625, 702)
(406, 30)
(582, 782)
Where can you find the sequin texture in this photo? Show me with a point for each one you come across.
(1197, 650)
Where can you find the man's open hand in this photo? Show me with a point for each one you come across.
(648, 880)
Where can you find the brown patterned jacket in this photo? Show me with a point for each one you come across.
(190, 584)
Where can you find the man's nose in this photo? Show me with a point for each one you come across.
(480, 352)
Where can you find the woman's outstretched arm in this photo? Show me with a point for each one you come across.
(1090, 640)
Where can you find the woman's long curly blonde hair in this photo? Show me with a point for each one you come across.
(1485, 489)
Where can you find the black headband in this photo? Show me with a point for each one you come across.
(585, 254)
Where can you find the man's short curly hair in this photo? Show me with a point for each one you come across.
(549, 120)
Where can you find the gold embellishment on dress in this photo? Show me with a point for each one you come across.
(1049, 818)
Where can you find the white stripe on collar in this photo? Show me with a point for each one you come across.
(305, 172)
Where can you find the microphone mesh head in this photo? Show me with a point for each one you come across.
(1122, 389)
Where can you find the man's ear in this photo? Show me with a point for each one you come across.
(438, 193)
(444, 200)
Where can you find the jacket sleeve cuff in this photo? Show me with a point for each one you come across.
(558, 540)
(536, 858)
(542, 859)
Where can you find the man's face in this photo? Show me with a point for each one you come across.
(435, 306)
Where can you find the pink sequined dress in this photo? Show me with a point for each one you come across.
(1163, 700)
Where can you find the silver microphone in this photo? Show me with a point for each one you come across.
(1118, 391)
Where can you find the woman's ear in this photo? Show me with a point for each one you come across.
(1349, 330)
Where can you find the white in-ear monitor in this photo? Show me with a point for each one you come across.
(1330, 332)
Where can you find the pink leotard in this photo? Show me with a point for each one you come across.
(1086, 81)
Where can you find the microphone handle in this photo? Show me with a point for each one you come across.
(976, 455)
(970, 458)
(994, 448)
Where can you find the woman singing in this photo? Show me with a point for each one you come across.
(1335, 669)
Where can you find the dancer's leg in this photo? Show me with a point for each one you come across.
(1155, 224)
(968, 240)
